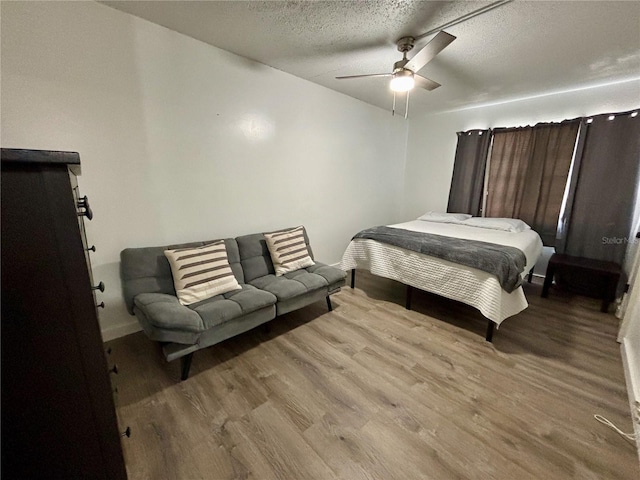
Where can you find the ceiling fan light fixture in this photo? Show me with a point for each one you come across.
(404, 78)
(402, 81)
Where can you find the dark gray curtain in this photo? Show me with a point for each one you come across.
(600, 215)
(467, 183)
(528, 173)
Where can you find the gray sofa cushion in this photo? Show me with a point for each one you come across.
(147, 270)
(291, 285)
(165, 311)
(231, 305)
(333, 275)
(301, 301)
(294, 289)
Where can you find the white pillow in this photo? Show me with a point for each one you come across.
(288, 250)
(505, 224)
(201, 272)
(444, 217)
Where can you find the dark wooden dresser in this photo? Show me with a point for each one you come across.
(58, 414)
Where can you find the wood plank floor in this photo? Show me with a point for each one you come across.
(373, 391)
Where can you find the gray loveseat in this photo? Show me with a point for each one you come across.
(150, 295)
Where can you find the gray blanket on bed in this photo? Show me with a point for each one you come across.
(506, 263)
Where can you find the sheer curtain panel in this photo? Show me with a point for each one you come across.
(467, 183)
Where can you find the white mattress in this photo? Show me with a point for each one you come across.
(457, 282)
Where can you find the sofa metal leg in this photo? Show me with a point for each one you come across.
(490, 326)
(185, 366)
(409, 294)
(353, 277)
(530, 276)
(329, 306)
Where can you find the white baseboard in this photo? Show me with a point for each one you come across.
(634, 398)
(121, 330)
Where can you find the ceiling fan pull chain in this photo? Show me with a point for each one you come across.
(406, 108)
(393, 108)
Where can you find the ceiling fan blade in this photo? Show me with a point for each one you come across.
(430, 50)
(369, 75)
(425, 83)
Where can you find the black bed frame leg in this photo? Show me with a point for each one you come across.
(409, 293)
(530, 277)
(329, 306)
(353, 277)
(490, 327)
(185, 366)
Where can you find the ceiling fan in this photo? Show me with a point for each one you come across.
(404, 75)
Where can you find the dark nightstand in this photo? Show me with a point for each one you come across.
(609, 272)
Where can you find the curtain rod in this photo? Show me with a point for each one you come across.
(464, 18)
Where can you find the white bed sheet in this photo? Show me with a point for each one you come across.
(474, 287)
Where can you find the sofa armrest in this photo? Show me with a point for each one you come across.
(165, 311)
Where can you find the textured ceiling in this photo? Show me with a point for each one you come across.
(521, 49)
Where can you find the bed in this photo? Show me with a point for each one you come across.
(475, 287)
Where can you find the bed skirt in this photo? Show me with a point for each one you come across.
(468, 285)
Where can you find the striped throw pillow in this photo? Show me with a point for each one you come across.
(202, 272)
(288, 250)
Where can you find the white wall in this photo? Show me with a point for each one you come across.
(180, 141)
(629, 337)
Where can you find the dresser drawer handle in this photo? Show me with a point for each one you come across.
(126, 433)
(92, 248)
(114, 369)
(100, 305)
(100, 287)
(84, 203)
